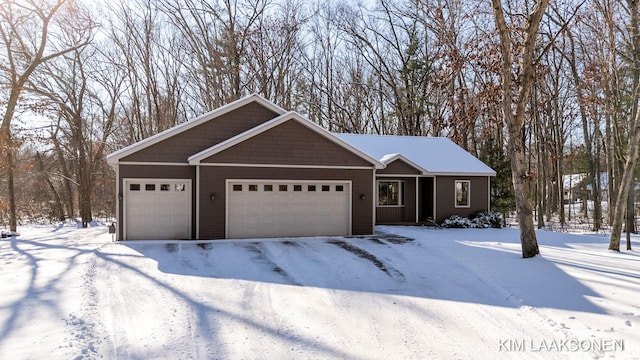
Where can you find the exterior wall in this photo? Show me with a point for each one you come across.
(398, 214)
(213, 181)
(155, 172)
(399, 167)
(445, 196)
(179, 147)
(290, 143)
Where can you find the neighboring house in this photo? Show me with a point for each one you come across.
(577, 188)
(573, 186)
(252, 169)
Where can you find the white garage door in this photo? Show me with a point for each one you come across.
(257, 208)
(157, 209)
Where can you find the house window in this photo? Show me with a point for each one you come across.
(165, 187)
(326, 187)
(134, 187)
(282, 188)
(390, 193)
(268, 188)
(339, 187)
(237, 187)
(462, 193)
(180, 187)
(253, 187)
(297, 187)
(150, 187)
(311, 188)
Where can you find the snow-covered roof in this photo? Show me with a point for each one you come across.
(431, 155)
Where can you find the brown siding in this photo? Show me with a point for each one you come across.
(156, 172)
(212, 213)
(399, 214)
(289, 143)
(399, 167)
(445, 196)
(179, 147)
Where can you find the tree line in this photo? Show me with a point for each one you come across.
(537, 90)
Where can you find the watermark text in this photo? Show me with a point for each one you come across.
(561, 345)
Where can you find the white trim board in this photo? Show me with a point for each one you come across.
(286, 166)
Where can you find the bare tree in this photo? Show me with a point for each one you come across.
(626, 183)
(514, 108)
(25, 33)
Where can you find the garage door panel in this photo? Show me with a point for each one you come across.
(157, 209)
(296, 211)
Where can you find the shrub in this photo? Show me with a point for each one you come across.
(456, 221)
(489, 219)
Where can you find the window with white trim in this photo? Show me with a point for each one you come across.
(463, 196)
(390, 193)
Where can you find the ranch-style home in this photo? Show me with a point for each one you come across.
(252, 169)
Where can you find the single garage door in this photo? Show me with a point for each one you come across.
(157, 209)
(288, 208)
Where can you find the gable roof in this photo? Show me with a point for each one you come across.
(289, 116)
(431, 155)
(389, 158)
(114, 157)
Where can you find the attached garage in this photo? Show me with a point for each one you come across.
(280, 208)
(157, 209)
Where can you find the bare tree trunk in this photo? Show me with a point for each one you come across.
(24, 55)
(626, 184)
(514, 111)
(593, 176)
(57, 203)
(630, 225)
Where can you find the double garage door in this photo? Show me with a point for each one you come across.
(157, 209)
(260, 208)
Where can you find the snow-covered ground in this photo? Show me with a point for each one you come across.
(69, 293)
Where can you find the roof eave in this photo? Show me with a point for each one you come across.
(446, 173)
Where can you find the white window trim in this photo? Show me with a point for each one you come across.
(400, 193)
(455, 194)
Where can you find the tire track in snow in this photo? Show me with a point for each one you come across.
(364, 254)
(261, 255)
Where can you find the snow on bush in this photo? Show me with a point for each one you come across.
(487, 219)
(456, 221)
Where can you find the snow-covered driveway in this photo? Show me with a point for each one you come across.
(466, 294)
